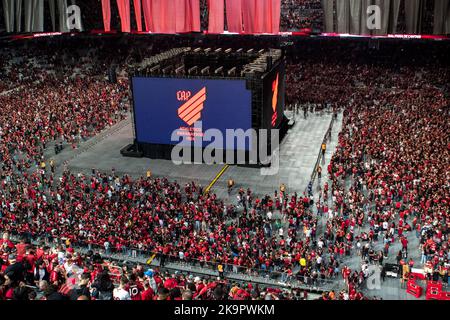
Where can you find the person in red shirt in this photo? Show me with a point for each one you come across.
(148, 293)
(21, 247)
(404, 242)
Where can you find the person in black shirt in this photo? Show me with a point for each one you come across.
(51, 293)
(103, 286)
(83, 289)
(399, 257)
(15, 271)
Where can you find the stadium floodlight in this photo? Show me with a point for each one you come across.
(179, 69)
(167, 69)
(205, 70)
(155, 68)
(232, 71)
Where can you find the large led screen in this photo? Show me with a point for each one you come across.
(164, 107)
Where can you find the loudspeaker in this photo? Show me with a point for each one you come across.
(269, 62)
(112, 76)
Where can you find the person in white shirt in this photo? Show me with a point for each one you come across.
(330, 214)
(120, 293)
(320, 244)
(319, 260)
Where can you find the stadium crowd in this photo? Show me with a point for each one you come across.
(387, 178)
(44, 273)
(301, 14)
(389, 169)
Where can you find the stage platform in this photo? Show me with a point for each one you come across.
(299, 151)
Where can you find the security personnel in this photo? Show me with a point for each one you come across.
(230, 185)
(52, 166)
(324, 148)
(220, 270)
(283, 189)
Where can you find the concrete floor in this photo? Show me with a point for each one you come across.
(298, 154)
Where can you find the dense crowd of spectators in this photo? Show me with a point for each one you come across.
(387, 178)
(59, 97)
(393, 150)
(61, 273)
(317, 78)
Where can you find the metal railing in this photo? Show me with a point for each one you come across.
(274, 277)
(320, 156)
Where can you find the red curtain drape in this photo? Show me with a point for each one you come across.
(261, 16)
(124, 13)
(234, 15)
(148, 18)
(194, 11)
(276, 15)
(171, 16)
(182, 15)
(251, 18)
(162, 16)
(188, 15)
(138, 14)
(106, 10)
(216, 16)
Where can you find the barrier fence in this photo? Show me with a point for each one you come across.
(320, 156)
(274, 277)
